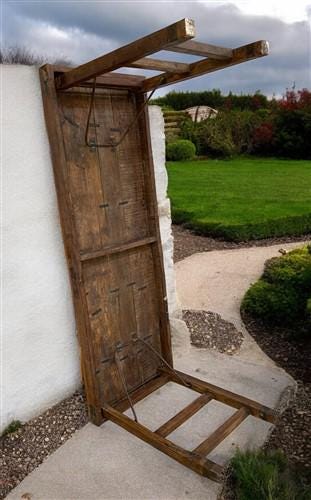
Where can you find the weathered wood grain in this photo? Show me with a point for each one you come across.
(183, 415)
(239, 55)
(108, 209)
(227, 397)
(159, 65)
(202, 49)
(201, 465)
(222, 432)
(178, 32)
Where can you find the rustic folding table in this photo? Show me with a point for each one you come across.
(97, 122)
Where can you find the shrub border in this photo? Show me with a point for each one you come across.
(285, 226)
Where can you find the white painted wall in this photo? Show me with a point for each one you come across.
(40, 356)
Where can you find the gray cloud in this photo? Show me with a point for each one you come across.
(82, 30)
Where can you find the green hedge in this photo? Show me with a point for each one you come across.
(289, 226)
(282, 295)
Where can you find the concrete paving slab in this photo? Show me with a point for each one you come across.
(109, 463)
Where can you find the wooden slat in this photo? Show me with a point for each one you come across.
(160, 65)
(70, 238)
(222, 432)
(109, 80)
(227, 397)
(183, 415)
(202, 49)
(239, 55)
(117, 249)
(142, 392)
(178, 32)
(201, 465)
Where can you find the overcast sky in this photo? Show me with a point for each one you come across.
(81, 30)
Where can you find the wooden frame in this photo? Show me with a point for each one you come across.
(77, 259)
(174, 38)
(194, 459)
(67, 93)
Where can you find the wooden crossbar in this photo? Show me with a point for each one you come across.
(142, 392)
(183, 415)
(239, 55)
(175, 33)
(195, 462)
(118, 249)
(222, 432)
(202, 49)
(227, 397)
(195, 459)
(160, 65)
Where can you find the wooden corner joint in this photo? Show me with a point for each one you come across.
(251, 50)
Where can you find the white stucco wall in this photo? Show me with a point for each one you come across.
(164, 206)
(40, 355)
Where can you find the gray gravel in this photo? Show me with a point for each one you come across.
(293, 432)
(209, 330)
(25, 449)
(186, 242)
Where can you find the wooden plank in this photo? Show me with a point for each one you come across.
(142, 392)
(183, 415)
(106, 196)
(178, 32)
(117, 249)
(70, 239)
(109, 80)
(239, 55)
(202, 49)
(222, 432)
(227, 397)
(204, 466)
(160, 65)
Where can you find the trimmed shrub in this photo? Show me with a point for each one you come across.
(180, 150)
(282, 295)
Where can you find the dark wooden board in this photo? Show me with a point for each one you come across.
(108, 209)
(108, 212)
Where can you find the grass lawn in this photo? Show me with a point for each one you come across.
(243, 198)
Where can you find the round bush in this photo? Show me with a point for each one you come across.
(180, 150)
(272, 303)
(283, 293)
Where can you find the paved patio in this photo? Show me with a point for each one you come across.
(108, 463)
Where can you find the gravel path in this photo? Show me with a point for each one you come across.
(22, 451)
(293, 432)
(209, 330)
(186, 242)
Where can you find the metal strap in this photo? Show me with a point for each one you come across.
(121, 375)
(156, 353)
(126, 131)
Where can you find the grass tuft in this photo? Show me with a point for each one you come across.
(12, 427)
(263, 475)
